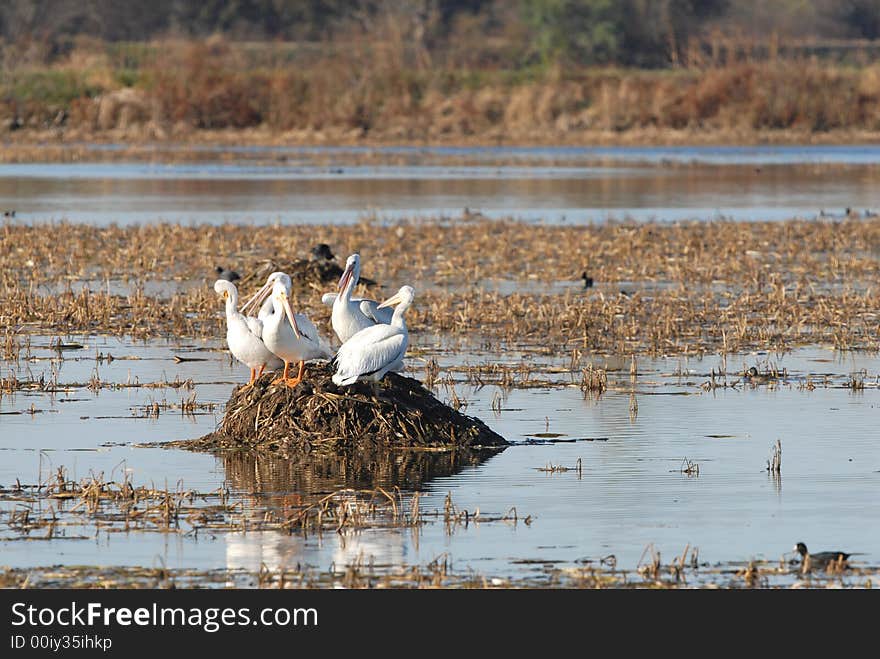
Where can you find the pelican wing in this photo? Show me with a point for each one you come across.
(370, 351)
(370, 308)
(307, 329)
(254, 325)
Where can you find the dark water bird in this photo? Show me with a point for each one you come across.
(226, 274)
(822, 558)
(322, 253)
(756, 377)
(588, 281)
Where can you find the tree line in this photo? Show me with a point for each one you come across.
(629, 32)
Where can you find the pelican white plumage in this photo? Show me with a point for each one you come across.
(292, 337)
(375, 350)
(244, 334)
(351, 315)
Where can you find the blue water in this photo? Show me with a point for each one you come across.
(868, 154)
(541, 184)
(631, 492)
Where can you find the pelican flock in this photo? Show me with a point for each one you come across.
(373, 336)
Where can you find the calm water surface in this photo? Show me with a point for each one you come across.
(631, 492)
(577, 185)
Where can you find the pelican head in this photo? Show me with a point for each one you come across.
(261, 294)
(404, 297)
(280, 291)
(352, 272)
(226, 290)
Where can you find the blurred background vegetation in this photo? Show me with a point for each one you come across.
(651, 33)
(420, 69)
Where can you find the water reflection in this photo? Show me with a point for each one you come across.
(315, 474)
(667, 189)
(283, 486)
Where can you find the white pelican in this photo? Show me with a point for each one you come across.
(267, 308)
(244, 334)
(374, 351)
(351, 315)
(293, 337)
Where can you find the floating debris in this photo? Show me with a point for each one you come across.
(561, 469)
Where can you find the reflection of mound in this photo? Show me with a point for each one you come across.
(303, 272)
(318, 416)
(319, 474)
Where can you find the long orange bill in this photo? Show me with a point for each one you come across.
(291, 317)
(258, 298)
(390, 302)
(344, 279)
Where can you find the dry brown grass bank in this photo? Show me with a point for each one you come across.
(186, 90)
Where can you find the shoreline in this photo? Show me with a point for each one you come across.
(145, 143)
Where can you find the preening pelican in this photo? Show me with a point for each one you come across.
(374, 351)
(244, 334)
(292, 337)
(351, 315)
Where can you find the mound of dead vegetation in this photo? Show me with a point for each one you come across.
(316, 415)
(303, 272)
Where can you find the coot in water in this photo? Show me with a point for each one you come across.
(322, 253)
(822, 558)
(226, 274)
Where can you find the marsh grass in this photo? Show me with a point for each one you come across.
(731, 286)
(61, 509)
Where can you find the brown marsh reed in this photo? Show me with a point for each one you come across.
(725, 285)
(64, 509)
(442, 572)
(774, 464)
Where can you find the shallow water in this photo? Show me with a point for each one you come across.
(631, 491)
(560, 184)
